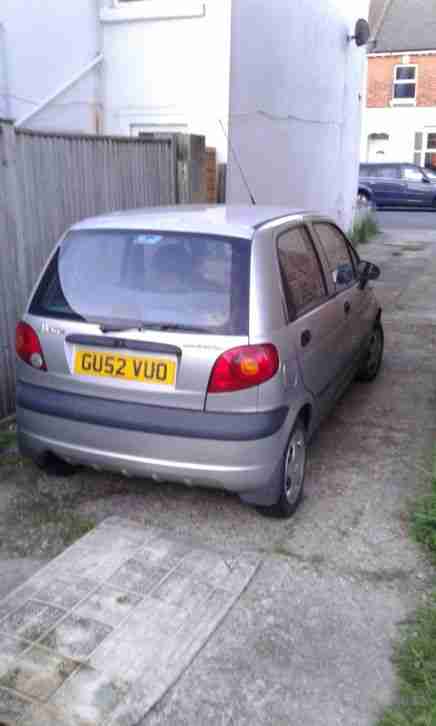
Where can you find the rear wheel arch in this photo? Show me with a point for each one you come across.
(305, 414)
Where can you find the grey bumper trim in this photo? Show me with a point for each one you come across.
(150, 419)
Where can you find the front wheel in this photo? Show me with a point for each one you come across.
(364, 201)
(374, 356)
(292, 473)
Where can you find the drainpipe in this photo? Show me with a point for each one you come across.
(4, 63)
(47, 101)
(99, 79)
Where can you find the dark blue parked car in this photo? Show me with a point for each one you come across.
(396, 185)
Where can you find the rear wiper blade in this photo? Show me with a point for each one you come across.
(140, 326)
(109, 328)
(180, 327)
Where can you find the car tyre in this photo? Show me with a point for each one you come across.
(374, 356)
(364, 201)
(292, 474)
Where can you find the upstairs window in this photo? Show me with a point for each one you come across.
(405, 84)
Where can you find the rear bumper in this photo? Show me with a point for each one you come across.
(150, 419)
(238, 453)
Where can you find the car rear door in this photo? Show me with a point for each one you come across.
(351, 299)
(418, 189)
(388, 186)
(316, 321)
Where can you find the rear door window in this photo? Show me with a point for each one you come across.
(339, 257)
(160, 279)
(390, 172)
(302, 275)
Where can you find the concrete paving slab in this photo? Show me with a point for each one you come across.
(37, 673)
(108, 605)
(32, 620)
(10, 650)
(15, 571)
(100, 634)
(76, 637)
(12, 707)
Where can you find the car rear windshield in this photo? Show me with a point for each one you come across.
(180, 280)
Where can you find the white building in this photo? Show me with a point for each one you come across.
(43, 45)
(165, 67)
(293, 96)
(296, 102)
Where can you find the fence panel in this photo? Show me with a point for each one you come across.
(50, 181)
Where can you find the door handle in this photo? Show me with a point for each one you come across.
(347, 307)
(306, 337)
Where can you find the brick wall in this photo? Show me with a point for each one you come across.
(381, 78)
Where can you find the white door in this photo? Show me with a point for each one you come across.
(377, 149)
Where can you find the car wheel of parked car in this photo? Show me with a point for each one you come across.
(363, 200)
(374, 357)
(292, 473)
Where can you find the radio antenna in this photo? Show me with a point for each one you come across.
(241, 171)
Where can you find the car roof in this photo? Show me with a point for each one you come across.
(222, 220)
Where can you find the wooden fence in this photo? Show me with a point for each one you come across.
(50, 181)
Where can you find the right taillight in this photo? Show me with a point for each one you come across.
(244, 367)
(28, 347)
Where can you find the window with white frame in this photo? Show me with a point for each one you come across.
(425, 149)
(405, 80)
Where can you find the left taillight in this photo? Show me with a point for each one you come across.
(28, 347)
(244, 367)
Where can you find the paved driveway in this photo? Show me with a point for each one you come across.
(309, 641)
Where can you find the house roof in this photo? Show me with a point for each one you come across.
(376, 9)
(407, 25)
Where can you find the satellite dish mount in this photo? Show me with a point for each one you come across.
(362, 33)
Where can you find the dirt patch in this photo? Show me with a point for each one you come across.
(38, 514)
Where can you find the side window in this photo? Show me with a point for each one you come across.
(390, 172)
(412, 175)
(338, 255)
(301, 271)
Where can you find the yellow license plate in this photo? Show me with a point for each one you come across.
(143, 369)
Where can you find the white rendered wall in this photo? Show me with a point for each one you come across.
(295, 103)
(169, 72)
(43, 44)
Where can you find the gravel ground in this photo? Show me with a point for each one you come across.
(311, 639)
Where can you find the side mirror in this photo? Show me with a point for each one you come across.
(367, 271)
(426, 180)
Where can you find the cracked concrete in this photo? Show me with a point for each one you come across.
(310, 640)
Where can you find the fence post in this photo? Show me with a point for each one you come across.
(15, 240)
(191, 169)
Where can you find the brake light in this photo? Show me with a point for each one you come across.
(28, 347)
(244, 367)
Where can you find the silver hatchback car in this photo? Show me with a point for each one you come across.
(195, 344)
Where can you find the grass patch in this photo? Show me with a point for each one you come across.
(424, 521)
(8, 439)
(415, 656)
(364, 228)
(67, 526)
